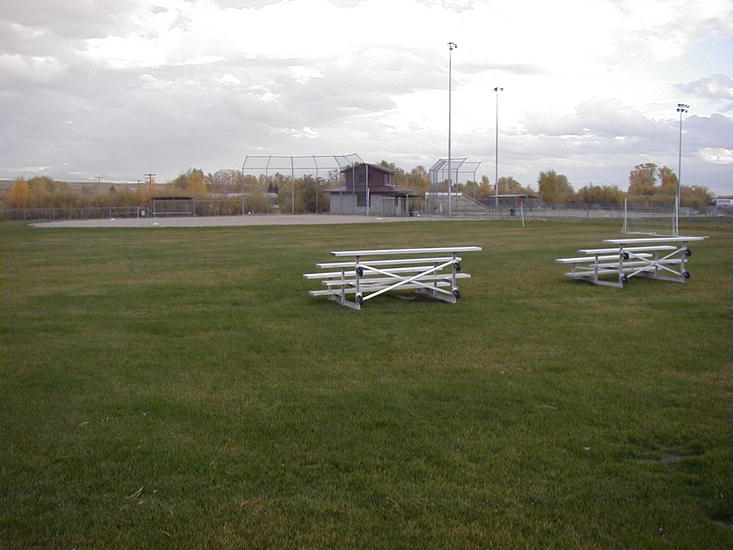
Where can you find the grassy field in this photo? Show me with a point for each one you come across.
(178, 388)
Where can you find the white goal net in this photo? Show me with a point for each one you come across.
(650, 215)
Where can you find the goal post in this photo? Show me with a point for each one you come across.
(651, 215)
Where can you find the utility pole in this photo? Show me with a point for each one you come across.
(451, 47)
(682, 108)
(150, 178)
(496, 152)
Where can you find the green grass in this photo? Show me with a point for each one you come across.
(178, 388)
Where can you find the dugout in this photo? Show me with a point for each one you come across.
(179, 205)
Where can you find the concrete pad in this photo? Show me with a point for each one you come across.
(228, 221)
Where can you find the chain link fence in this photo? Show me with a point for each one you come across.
(86, 213)
(487, 208)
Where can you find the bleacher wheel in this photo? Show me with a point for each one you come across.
(688, 252)
(456, 293)
(359, 299)
(457, 265)
(625, 255)
(360, 271)
(624, 279)
(687, 274)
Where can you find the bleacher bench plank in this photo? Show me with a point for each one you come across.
(393, 251)
(626, 248)
(352, 290)
(404, 261)
(328, 274)
(586, 259)
(382, 280)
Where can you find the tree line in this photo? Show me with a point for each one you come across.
(552, 188)
(277, 192)
(645, 180)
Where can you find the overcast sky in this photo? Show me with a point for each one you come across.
(118, 88)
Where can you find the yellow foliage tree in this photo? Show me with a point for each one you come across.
(643, 179)
(601, 194)
(509, 186)
(554, 188)
(484, 188)
(20, 194)
(695, 196)
(192, 182)
(668, 181)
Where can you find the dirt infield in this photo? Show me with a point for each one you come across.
(226, 221)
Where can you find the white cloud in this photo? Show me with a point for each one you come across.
(717, 86)
(716, 155)
(229, 81)
(29, 169)
(151, 82)
(303, 74)
(30, 68)
(298, 133)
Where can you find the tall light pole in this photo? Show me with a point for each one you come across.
(451, 46)
(682, 108)
(496, 152)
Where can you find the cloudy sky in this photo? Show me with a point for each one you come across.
(119, 88)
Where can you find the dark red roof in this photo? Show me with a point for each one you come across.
(373, 166)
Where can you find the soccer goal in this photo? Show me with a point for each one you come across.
(651, 215)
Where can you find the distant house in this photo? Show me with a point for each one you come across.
(370, 189)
